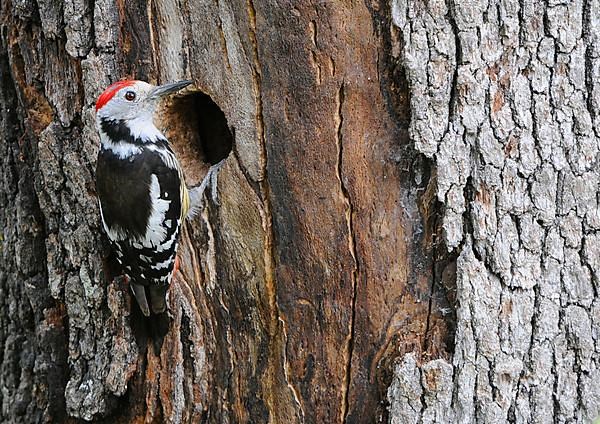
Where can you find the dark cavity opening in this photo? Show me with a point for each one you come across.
(197, 131)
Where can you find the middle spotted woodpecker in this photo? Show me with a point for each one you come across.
(141, 188)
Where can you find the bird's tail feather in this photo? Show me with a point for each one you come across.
(158, 298)
(159, 327)
(160, 321)
(140, 295)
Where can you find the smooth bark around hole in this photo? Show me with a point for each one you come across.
(197, 130)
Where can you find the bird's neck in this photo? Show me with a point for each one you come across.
(128, 137)
(143, 130)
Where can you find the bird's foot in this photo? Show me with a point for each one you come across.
(209, 180)
(121, 279)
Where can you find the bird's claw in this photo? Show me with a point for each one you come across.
(211, 180)
(121, 279)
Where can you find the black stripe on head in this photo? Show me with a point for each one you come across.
(119, 132)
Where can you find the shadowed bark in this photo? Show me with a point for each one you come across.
(405, 228)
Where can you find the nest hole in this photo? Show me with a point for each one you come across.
(197, 131)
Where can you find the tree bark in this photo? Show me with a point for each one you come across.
(505, 99)
(406, 225)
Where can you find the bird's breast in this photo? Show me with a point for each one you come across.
(139, 196)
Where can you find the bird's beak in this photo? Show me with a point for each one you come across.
(163, 90)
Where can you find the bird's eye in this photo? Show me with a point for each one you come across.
(130, 95)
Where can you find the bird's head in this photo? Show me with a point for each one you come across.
(128, 100)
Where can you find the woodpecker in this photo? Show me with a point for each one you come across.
(141, 188)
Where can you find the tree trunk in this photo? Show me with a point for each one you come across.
(406, 227)
(506, 100)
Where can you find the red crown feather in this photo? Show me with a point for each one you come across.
(110, 91)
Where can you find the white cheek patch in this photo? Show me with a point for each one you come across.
(143, 128)
(155, 230)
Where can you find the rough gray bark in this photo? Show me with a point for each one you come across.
(505, 99)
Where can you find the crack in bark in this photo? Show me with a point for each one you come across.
(588, 68)
(349, 347)
(457, 60)
(222, 34)
(287, 368)
(431, 287)
(276, 333)
(312, 26)
(210, 254)
(152, 33)
(254, 185)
